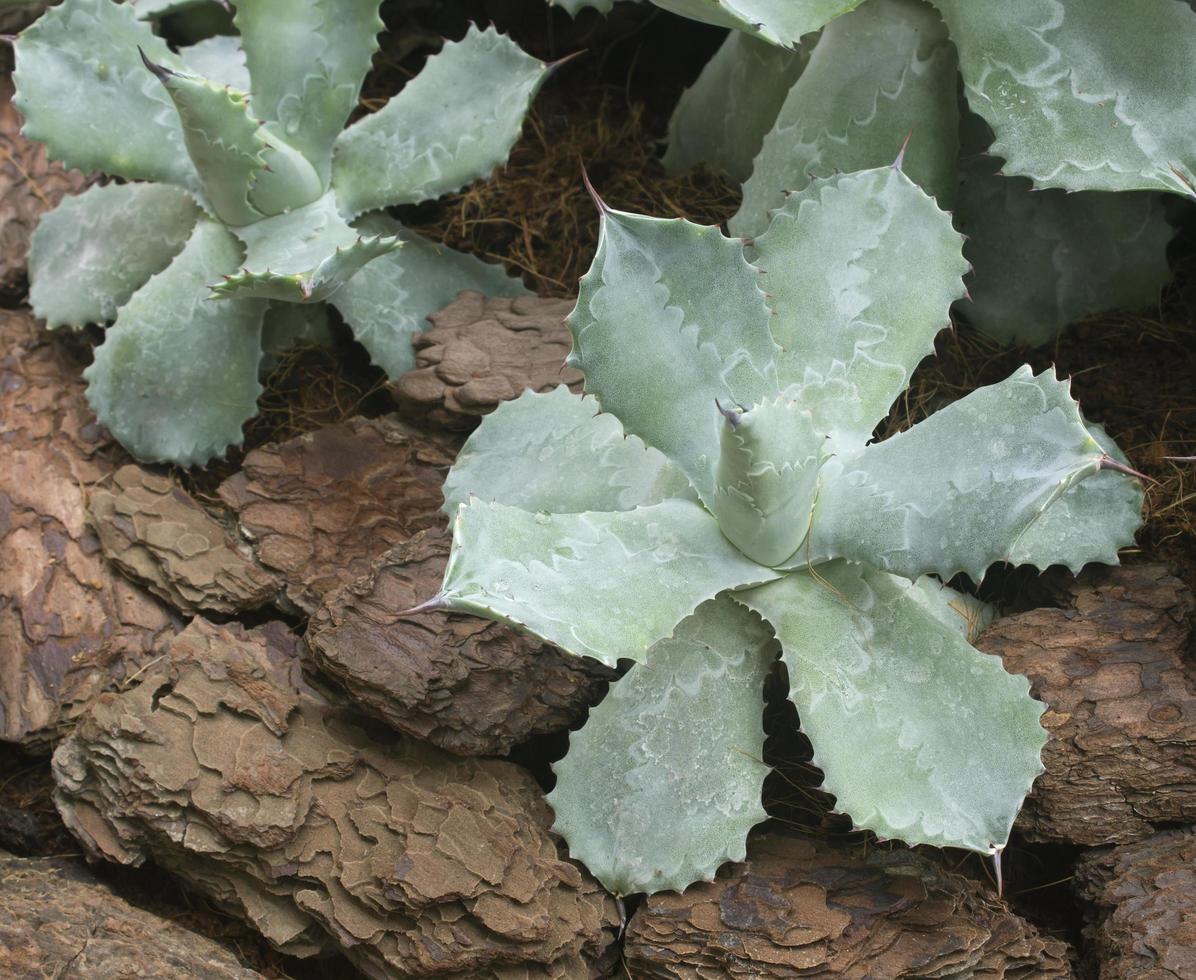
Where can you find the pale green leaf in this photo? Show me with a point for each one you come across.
(878, 75)
(220, 59)
(150, 9)
(669, 318)
(1044, 259)
(601, 585)
(962, 612)
(767, 477)
(575, 7)
(1084, 96)
(177, 374)
(1088, 523)
(308, 61)
(303, 256)
(570, 459)
(860, 271)
(722, 119)
(388, 302)
(920, 736)
(92, 252)
(663, 783)
(289, 325)
(453, 123)
(780, 22)
(955, 492)
(84, 92)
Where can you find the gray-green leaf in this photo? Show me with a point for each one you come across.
(780, 22)
(571, 459)
(219, 58)
(920, 736)
(152, 382)
(601, 585)
(663, 783)
(860, 271)
(669, 318)
(453, 123)
(878, 75)
(92, 252)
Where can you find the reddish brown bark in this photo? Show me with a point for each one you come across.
(468, 685)
(482, 351)
(70, 625)
(800, 908)
(1121, 694)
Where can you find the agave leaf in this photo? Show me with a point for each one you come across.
(308, 98)
(84, 92)
(1044, 259)
(601, 585)
(1089, 522)
(877, 266)
(956, 492)
(575, 7)
(766, 478)
(780, 22)
(678, 736)
(670, 314)
(288, 325)
(572, 460)
(722, 118)
(963, 613)
(220, 59)
(303, 256)
(878, 75)
(885, 690)
(453, 123)
(1083, 96)
(152, 9)
(92, 252)
(152, 382)
(389, 300)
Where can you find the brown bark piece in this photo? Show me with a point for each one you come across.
(29, 187)
(468, 685)
(58, 920)
(482, 351)
(319, 508)
(1121, 705)
(802, 908)
(225, 768)
(158, 535)
(1142, 908)
(70, 625)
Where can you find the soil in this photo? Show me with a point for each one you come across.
(607, 110)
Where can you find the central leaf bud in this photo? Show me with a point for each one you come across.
(767, 477)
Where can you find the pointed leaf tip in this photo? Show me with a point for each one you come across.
(1107, 462)
(601, 205)
(160, 71)
(552, 66)
(434, 604)
(733, 417)
(900, 161)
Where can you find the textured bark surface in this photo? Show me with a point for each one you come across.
(154, 532)
(471, 686)
(799, 908)
(29, 185)
(1113, 669)
(57, 920)
(224, 767)
(319, 508)
(70, 625)
(1141, 908)
(482, 351)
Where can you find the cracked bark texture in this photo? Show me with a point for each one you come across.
(70, 625)
(159, 536)
(482, 351)
(29, 184)
(1112, 668)
(468, 685)
(319, 508)
(1141, 912)
(802, 908)
(224, 767)
(58, 920)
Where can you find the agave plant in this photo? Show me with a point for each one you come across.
(1073, 102)
(715, 495)
(249, 206)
